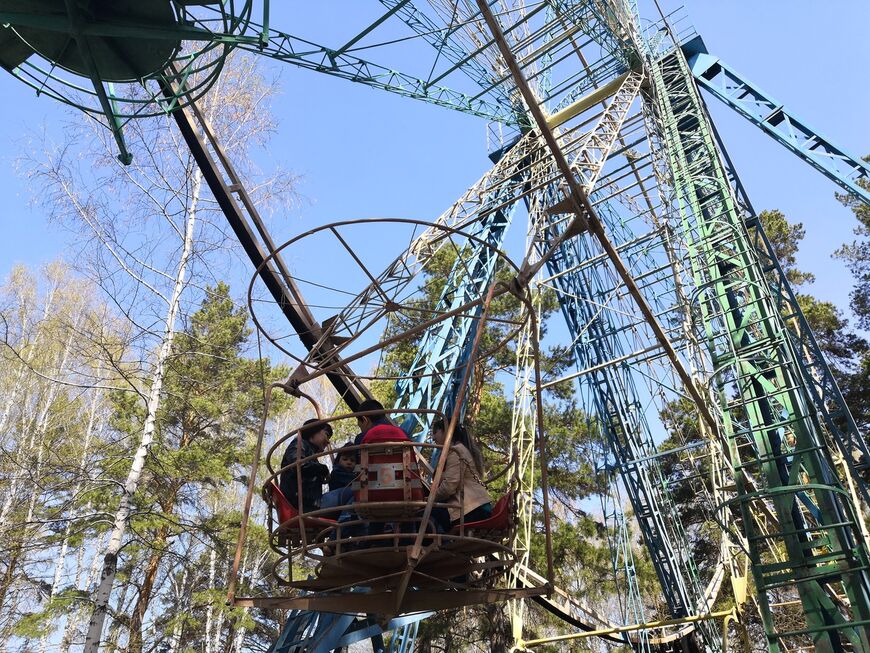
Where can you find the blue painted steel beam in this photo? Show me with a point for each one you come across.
(433, 378)
(776, 120)
(313, 632)
(597, 340)
(322, 632)
(367, 629)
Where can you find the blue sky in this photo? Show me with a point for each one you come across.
(363, 153)
(812, 58)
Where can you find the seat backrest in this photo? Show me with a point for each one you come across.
(387, 474)
(501, 513)
(285, 509)
(498, 522)
(504, 503)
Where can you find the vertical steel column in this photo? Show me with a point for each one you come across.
(774, 439)
(840, 429)
(433, 377)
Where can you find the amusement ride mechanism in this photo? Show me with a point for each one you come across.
(670, 291)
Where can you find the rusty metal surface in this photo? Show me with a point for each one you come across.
(383, 602)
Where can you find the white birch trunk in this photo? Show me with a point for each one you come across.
(115, 629)
(110, 561)
(175, 638)
(64, 546)
(209, 613)
(240, 637)
(255, 575)
(218, 629)
(219, 623)
(77, 618)
(15, 398)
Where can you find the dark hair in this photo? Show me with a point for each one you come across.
(368, 405)
(306, 433)
(463, 437)
(347, 452)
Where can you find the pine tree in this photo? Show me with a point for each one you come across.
(203, 429)
(855, 382)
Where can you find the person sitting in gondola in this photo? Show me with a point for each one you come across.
(313, 473)
(461, 487)
(340, 478)
(390, 471)
(376, 428)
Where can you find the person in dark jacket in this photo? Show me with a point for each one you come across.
(343, 467)
(314, 474)
(340, 479)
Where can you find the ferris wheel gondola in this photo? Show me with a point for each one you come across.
(470, 560)
(383, 553)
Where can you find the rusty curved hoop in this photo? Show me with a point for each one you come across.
(335, 338)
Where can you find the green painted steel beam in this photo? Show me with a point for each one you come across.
(768, 419)
(112, 27)
(312, 56)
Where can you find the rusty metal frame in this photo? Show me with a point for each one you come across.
(402, 594)
(325, 356)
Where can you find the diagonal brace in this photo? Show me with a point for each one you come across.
(586, 218)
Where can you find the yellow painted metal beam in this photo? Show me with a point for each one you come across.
(662, 623)
(579, 106)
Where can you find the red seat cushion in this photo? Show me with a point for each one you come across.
(499, 520)
(286, 511)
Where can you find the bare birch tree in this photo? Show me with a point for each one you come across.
(49, 414)
(151, 237)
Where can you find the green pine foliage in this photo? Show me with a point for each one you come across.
(62, 485)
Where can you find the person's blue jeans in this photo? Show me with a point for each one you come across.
(342, 498)
(335, 498)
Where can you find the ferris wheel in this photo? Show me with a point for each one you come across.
(636, 224)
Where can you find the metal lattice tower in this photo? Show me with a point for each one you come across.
(639, 224)
(775, 440)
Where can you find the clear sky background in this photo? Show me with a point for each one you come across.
(364, 153)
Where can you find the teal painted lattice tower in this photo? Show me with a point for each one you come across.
(783, 471)
(664, 275)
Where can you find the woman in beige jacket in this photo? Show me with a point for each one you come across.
(461, 487)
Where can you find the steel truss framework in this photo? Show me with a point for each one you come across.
(572, 269)
(578, 273)
(667, 282)
(776, 120)
(776, 444)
